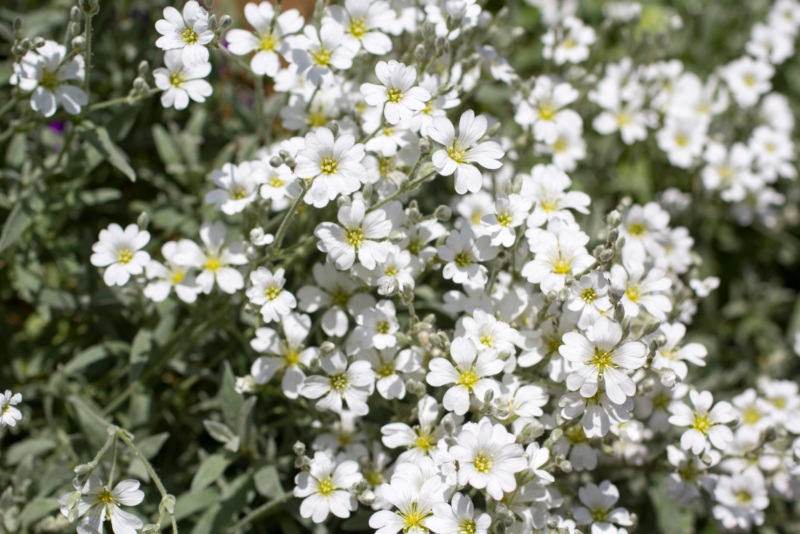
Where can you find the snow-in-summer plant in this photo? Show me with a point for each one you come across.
(448, 267)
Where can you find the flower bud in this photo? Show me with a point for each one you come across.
(443, 213)
(420, 53)
(74, 14)
(366, 497)
(143, 221)
(225, 22)
(78, 43)
(326, 348)
(612, 236)
(167, 504)
(299, 448)
(424, 146)
(275, 161)
(669, 379)
(38, 42)
(143, 68)
(213, 25)
(334, 128)
(613, 219)
(90, 7)
(448, 424)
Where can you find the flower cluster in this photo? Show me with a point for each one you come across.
(490, 358)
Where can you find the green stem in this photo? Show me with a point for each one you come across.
(149, 467)
(88, 59)
(259, 103)
(122, 100)
(113, 463)
(288, 217)
(408, 186)
(262, 511)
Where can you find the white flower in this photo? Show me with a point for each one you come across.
(357, 237)
(748, 79)
(52, 80)
(332, 164)
(420, 440)
(463, 151)
(9, 415)
(570, 43)
(268, 292)
(510, 211)
(559, 253)
(458, 517)
(238, 186)
(463, 252)
(325, 486)
(487, 333)
(181, 82)
(98, 503)
(601, 358)
(642, 291)
(545, 111)
(671, 356)
(362, 22)
(268, 39)
(119, 251)
(682, 139)
(598, 509)
(215, 261)
(163, 278)
(703, 288)
(377, 327)
(589, 297)
(317, 54)
(390, 365)
(188, 32)
(398, 96)
(351, 384)
(469, 375)
(547, 186)
(289, 354)
(488, 457)
(742, 499)
(705, 424)
(414, 506)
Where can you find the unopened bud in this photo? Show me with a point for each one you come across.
(225, 22)
(612, 236)
(366, 497)
(424, 146)
(565, 466)
(613, 219)
(143, 68)
(74, 14)
(290, 162)
(74, 28)
(326, 348)
(443, 213)
(38, 42)
(17, 24)
(493, 129)
(669, 379)
(143, 221)
(90, 7)
(606, 255)
(420, 52)
(78, 43)
(167, 504)
(213, 24)
(299, 448)
(448, 424)
(275, 161)
(334, 128)
(415, 387)
(139, 85)
(651, 327)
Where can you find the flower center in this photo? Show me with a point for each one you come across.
(385, 369)
(268, 42)
(391, 271)
(272, 292)
(589, 295)
(749, 80)
(487, 340)
(5, 408)
(213, 263)
(176, 79)
(546, 111)
(779, 402)
(358, 27)
(189, 36)
(106, 497)
(504, 219)
(394, 95)
(482, 462)
(751, 415)
(561, 266)
(49, 79)
(328, 166)
(340, 298)
(637, 229)
(701, 423)
(570, 43)
(602, 360)
(325, 486)
(467, 526)
(354, 237)
(318, 118)
(560, 145)
(468, 379)
(744, 497)
(600, 515)
(661, 402)
(682, 140)
(276, 182)
(623, 119)
(373, 476)
(414, 518)
(178, 276)
(385, 166)
(238, 193)
(576, 435)
(339, 382)
(124, 256)
(456, 153)
(292, 357)
(414, 246)
(383, 327)
(322, 57)
(424, 440)
(633, 292)
(462, 259)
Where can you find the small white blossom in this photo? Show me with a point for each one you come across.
(187, 32)
(119, 251)
(9, 415)
(181, 82)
